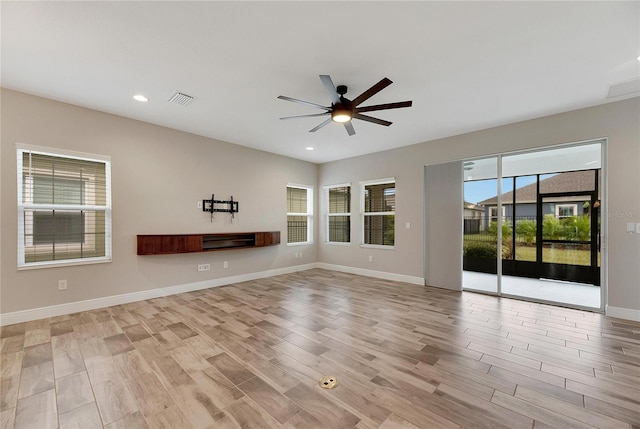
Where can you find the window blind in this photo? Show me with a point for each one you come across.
(378, 213)
(298, 214)
(64, 207)
(339, 214)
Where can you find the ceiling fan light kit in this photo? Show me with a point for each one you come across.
(341, 114)
(343, 110)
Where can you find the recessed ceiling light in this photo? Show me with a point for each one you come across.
(638, 57)
(141, 98)
(309, 147)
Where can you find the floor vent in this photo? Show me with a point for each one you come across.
(181, 99)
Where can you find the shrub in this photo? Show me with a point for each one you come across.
(526, 230)
(493, 229)
(486, 250)
(480, 250)
(552, 228)
(578, 228)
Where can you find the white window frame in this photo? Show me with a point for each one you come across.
(30, 205)
(363, 184)
(493, 213)
(327, 240)
(574, 208)
(308, 214)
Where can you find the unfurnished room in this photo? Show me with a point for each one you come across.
(320, 214)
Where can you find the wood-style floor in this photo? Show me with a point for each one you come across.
(251, 355)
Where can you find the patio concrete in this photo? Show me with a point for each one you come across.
(572, 294)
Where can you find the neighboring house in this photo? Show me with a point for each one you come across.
(473, 218)
(559, 206)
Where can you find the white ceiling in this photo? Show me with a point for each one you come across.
(465, 65)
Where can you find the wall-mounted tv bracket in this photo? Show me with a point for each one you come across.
(220, 206)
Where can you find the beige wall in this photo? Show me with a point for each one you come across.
(618, 122)
(159, 175)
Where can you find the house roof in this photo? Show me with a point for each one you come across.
(573, 181)
(472, 206)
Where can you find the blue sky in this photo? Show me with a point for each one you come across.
(479, 190)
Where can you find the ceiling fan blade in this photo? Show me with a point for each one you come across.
(330, 87)
(306, 116)
(316, 128)
(372, 119)
(384, 106)
(308, 103)
(349, 127)
(385, 82)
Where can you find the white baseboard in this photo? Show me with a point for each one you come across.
(371, 273)
(623, 313)
(108, 301)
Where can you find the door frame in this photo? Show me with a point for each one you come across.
(603, 141)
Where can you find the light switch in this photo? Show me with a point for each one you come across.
(631, 227)
(407, 225)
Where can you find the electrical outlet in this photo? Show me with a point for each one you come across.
(225, 264)
(370, 258)
(62, 285)
(204, 267)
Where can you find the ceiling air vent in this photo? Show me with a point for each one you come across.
(629, 87)
(181, 98)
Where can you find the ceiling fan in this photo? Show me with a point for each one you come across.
(343, 110)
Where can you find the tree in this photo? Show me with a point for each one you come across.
(552, 228)
(578, 228)
(506, 230)
(526, 230)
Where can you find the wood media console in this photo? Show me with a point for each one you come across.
(166, 244)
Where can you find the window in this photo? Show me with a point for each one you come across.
(566, 210)
(378, 204)
(493, 213)
(299, 214)
(338, 200)
(64, 207)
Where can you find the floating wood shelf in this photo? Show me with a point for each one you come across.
(166, 244)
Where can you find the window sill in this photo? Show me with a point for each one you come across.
(337, 243)
(305, 243)
(377, 246)
(67, 263)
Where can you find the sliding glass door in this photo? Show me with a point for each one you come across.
(480, 228)
(542, 223)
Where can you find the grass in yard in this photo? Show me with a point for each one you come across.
(528, 253)
(555, 256)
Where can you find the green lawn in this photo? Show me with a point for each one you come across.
(528, 252)
(556, 256)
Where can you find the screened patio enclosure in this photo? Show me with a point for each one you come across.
(542, 218)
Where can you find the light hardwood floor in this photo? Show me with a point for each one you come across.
(251, 355)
